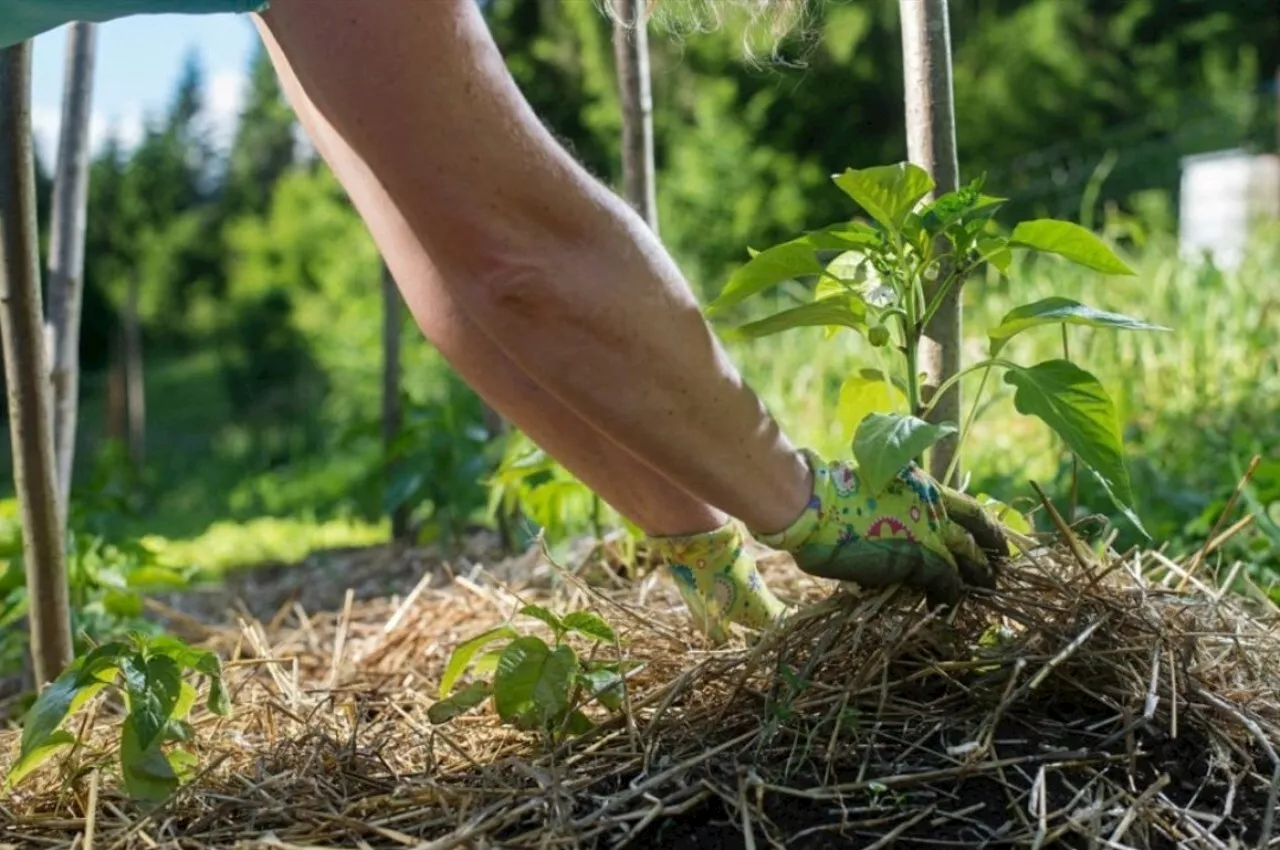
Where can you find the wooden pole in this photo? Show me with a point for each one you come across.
(631, 54)
(30, 430)
(66, 250)
(391, 413)
(931, 144)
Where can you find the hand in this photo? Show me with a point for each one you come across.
(21, 20)
(903, 534)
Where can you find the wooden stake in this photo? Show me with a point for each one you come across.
(931, 144)
(30, 425)
(631, 54)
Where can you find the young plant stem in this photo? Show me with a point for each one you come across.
(1075, 461)
(968, 423)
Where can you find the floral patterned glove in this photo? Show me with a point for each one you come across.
(900, 535)
(718, 580)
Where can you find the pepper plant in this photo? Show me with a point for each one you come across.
(870, 277)
(536, 686)
(148, 674)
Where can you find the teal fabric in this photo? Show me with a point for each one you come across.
(24, 19)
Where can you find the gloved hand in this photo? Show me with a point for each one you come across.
(903, 534)
(719, 581)
(21, 20)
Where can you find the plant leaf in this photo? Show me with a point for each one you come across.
(604, 685)
(537, 612)
(79, 683)
(886, 442)
(847, 311)
(1068, 240)
(459, 703)
(997, 253)
(767, 268)
(154, 686)
(465, 651)
(1075, 405)
(886, 192)
(579, 723)
(49, 746)
(533, 683)
(1058, 310)
(146, 772)
(863, 394)
(589, 625)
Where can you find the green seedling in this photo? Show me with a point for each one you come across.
(535, 686)
(147, 672)
(887, 277)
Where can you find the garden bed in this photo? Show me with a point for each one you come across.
(1083, 701)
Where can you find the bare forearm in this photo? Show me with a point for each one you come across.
(550, 264)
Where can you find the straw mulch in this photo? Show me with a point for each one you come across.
(1084, 704)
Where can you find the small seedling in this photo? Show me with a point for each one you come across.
(872, 278)
(148, 674)
(535, 686)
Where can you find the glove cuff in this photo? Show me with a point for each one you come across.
(791, 538)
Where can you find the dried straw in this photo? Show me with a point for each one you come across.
(1084, 704)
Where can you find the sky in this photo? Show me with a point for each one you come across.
(138, 64)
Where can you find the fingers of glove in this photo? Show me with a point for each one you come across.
(976, 568)
(880, 563)
(981, 525)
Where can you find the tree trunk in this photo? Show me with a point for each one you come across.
(34, 473)
(66, 251)
(117, 392)
(931, 144)
(391, 414)
(135, 388)
(631, 54)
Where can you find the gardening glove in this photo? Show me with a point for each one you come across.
(719, 581)
(21, 20)
(900, 535)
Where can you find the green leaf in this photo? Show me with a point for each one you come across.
(122, 604)
(579, 723)
(154, 686)
(885, 443)
(79, 683)
(589, 625)
(200, 660)
(1075, 405)
(533, 683)
(184, 763)
(847, 311)
(186, 701)
(462, 656)
(537, 612)
(1057, 310)
(218, 702)
(146, 772)
(604, 685)
(887, 192)
(49, 746)
(997, 253)
(767, 268)
(1068, 240)
(486, 663)
(863, 394)
(157, 578)
(459, 703)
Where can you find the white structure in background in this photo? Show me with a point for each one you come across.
(1224, 194)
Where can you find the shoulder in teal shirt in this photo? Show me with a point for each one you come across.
(25, 19)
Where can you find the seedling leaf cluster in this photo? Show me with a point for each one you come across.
(535, 685)
(886, 277)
